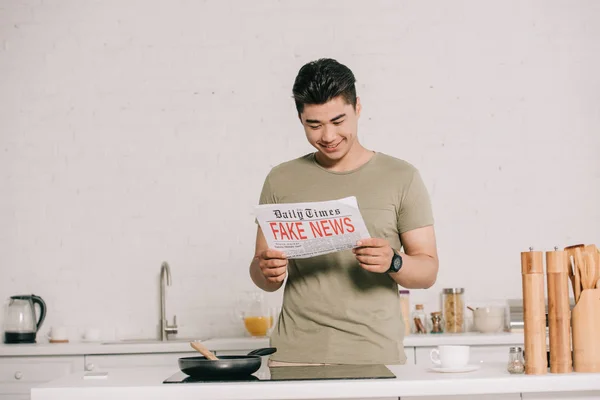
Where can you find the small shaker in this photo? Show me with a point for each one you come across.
(516, 363)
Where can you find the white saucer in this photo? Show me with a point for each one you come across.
(466, 368)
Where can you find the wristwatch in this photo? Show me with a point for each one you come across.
(396, 262)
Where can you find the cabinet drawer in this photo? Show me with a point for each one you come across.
(478, 354)
(37, 369)
(103, 362)
(19, 374)
(410, 355)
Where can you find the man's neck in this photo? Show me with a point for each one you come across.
(355, 158)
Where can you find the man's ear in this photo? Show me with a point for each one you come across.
(358, 106)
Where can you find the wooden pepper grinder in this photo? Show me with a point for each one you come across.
(559, 312)
(534, 312)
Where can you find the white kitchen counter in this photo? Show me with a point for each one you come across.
(411, 380)
(242, 343)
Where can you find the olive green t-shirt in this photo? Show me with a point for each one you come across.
(334, 311)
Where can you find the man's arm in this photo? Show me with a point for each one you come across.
(268, 267)
(419, 262)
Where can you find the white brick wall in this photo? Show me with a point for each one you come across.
(141, 131)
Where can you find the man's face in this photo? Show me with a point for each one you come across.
(331, 128)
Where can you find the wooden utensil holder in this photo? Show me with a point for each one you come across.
(585, 326)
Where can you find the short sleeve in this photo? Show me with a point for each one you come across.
(266, 195)
(415, 208)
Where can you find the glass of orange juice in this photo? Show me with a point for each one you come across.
(255, 313)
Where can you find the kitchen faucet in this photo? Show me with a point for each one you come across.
(165, 280)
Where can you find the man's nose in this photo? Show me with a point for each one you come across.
(329, 133)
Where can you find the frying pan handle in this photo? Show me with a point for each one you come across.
(263, 352)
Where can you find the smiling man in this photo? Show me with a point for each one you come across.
(343, 307)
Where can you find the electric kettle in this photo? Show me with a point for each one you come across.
(20, 321)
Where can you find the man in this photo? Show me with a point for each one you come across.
(343, 307)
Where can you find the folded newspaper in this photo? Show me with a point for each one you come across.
(303, 230)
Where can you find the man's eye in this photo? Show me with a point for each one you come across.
(338, 122)
(315, 126)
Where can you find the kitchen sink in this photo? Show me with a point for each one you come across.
(152, 341)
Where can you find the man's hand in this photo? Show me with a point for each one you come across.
(374, 254)
(273, 265)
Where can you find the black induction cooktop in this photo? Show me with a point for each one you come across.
(297, 373)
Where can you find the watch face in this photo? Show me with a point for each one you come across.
(397, 263)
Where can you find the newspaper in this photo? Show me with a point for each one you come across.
(303, 230)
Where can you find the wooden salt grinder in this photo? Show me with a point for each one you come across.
(534, 312)
(559, 312)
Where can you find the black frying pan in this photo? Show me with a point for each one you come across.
(225, 366)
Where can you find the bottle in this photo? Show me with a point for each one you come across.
(437, 324)
(419, 320)
(516, 362)
(405, 308)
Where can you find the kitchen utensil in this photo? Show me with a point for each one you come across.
(58, 334)
(580, 263)
(224, 366)
(585, 323)
(577, 280)
(203, 350)
(20, 321)
(450, 356)
(488, 319)
(559, 312)
(534, 312)
(571, 254)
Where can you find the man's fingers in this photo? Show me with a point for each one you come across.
(369, 260)
(372, 242)
(273, 254)
(274, 272)
(273, 263)
(367, 251)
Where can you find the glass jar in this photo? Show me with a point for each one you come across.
(437, 322)
(454, 310)
(405, 309)
(419, 320)
(516, 362)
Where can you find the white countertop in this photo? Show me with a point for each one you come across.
(241, 343)
(411, 380)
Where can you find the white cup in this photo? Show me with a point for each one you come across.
(91, 335)
(450, 356)
(58, 333)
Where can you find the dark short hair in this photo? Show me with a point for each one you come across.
(320, 81)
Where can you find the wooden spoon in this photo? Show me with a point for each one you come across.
(573, 267)
(579, 266)
(202, 349)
